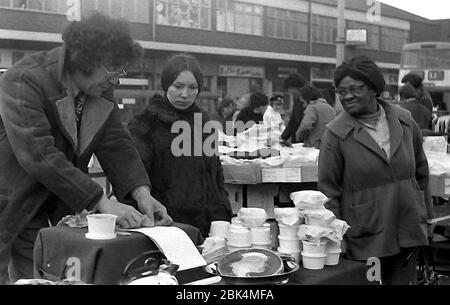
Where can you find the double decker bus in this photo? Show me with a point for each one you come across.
(430, 60)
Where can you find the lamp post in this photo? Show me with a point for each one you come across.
(340, 39)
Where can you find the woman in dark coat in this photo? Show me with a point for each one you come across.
(185, 178)
(372, 165)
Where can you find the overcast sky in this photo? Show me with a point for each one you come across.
(431, 9)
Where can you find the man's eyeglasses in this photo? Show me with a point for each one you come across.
(118, 73)
(352, 90)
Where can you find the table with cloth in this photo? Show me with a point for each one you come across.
(103, 261)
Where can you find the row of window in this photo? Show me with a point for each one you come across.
(231, 16)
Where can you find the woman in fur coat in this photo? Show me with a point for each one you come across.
(186, 177)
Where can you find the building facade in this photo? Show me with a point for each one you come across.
(242, 46)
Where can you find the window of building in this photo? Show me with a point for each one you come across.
(286, 24)
(184, 13)
(324, 29)
(207, 81)
(53, 6)
(392, 40)
(238, 17)
(373, 33)
(131, 10)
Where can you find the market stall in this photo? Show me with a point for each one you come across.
(104, 261)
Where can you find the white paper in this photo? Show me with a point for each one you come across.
(176, 246)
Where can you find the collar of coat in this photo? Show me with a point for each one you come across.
(96, 110)
(161, 110)
(344, 125)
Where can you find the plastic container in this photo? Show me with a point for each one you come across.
(332, 258)
(295, 254)
(101, 226)
(219, 229)
(260, 235)
(239, 237)
(289, 244)
(333, 246)
(288, 231)
(313, 261)
(314, 248)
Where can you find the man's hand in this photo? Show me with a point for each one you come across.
(155, 212)
(127, 216)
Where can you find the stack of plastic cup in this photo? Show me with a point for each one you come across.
(333, 251)
(260, 237)
(238, 238)
(288, 241)
(314, 255)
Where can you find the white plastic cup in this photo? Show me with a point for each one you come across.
(101, 225)
(332, 246)
(332, 258)
(288, 231)
(313, 261)
(314, 248)
(239, 238)
(295, 254)
(260, 235)
(219, 229)
(216, 241)
(289, 244)
(251, 221)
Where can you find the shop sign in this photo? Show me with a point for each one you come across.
(391, 78)
(323, 72)
(241, 71)
(356, 37)
(283, 72)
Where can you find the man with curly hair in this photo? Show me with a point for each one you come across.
(57, 110)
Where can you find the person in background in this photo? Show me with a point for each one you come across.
(373, 168)
(57, 109)
(423, 96)
(272, 116)
(253, 113)
(419, 112)
(293, 84)
(190, 184)
(318, 113)
(224, 114)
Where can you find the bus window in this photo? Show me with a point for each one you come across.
(414, 59)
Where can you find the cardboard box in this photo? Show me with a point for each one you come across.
(440, 185)
(281, 175)
(242, 174)
(289, 175)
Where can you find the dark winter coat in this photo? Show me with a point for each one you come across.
(42, 159)
(419, 112)
(318, 114)
(298, 109)
(190, 187)
(248, 115)
(386, 203)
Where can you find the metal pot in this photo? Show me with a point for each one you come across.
(150, 268)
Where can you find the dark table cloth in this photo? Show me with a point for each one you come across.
(103, 261)
(57, 249)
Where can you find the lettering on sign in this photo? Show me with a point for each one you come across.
(241, 71)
